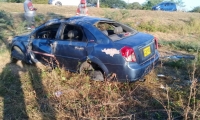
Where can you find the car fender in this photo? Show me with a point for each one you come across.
(22, 47)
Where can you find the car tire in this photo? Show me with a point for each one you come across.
(94, 74)
(13, 60)
(17, 54)
(58, 3)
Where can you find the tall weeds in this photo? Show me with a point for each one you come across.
(6, 27)
(191, 26)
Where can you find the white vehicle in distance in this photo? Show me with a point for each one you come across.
(64, 2)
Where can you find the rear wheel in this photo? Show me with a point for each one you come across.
(17, 54)
(92, 70)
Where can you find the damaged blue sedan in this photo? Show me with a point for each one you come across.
(101, 48)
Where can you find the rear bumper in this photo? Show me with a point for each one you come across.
(136, 72)
(131, 72)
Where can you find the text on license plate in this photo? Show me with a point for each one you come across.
(147, 51)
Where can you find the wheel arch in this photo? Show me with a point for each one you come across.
(21, 47)
(96, 61)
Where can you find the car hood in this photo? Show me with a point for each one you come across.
(22, 37)
(24, 34)
(138, 39)
(139, 42)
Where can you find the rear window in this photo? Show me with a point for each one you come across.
(114, 30)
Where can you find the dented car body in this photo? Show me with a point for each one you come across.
(96, 46)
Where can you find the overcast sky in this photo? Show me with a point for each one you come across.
(189, 4)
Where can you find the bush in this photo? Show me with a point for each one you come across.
(117, 15)
(6, 26)
(189, 47)
(5, 20)
(196, 9)
(134, 6)
(34, 1)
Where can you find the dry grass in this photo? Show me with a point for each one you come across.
(172, 25)
(28, 93)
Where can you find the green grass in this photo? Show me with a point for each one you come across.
(179, 45)
(192, 26)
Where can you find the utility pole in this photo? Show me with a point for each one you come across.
(98, 4)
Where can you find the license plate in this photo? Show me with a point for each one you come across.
(147, 51)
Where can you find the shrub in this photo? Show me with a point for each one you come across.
(190, 47)
(40, 1)
(196, 9)
(5, 20)
(6, 25)
(117, 15)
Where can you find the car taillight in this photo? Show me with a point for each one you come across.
(128, 54)
(156, 42)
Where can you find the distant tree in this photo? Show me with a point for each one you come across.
(134, 5)
(34, 1)
(40, 1)
(113, 3)
(15, 1)
(196, 9)
(92, 1)
(150, 3)
(179, 3)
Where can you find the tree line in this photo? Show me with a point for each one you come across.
(121, 4)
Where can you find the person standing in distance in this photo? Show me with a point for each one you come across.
(82, 9)
(29, 13)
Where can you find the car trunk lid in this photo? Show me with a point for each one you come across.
(142, 44)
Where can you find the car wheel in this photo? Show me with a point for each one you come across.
(58, 3)
(91, 70)
(17, 54)
(13, 60)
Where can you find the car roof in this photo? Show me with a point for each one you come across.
(166, 2)
(77, 19)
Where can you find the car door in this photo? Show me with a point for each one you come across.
(70, 49)
(163, 6)
(43, 43)
(167, 7)
(172, 7)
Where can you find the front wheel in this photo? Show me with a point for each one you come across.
(17, 54)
